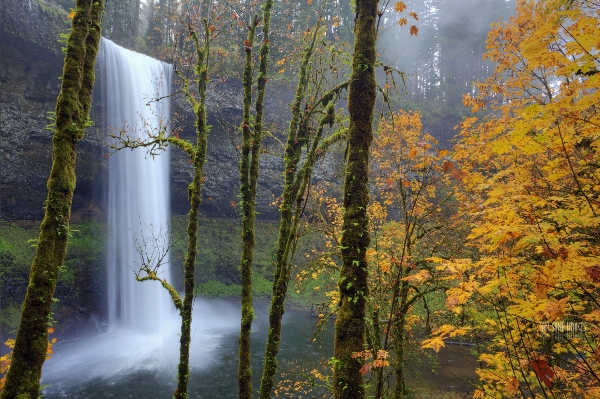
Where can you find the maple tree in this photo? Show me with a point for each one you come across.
(531, 181)
(313, 110)
(409, 222)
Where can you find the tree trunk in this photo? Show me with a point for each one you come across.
(350, 323)
(195, 198)
(281, 276)
(400, 341)
(115, 23)
(72, 112)
(296, 183)
(135, 19)
(248, 239)
(249, 178)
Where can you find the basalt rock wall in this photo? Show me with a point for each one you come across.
(30, 65)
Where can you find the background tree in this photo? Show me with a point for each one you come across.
(72, 117)
(444, 61)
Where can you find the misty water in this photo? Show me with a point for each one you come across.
(101, 367)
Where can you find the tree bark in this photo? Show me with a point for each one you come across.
(400, 340)
(72, 113)
(195, 198)
(248, 238)
(296, 183)
(135, 19)
(249, 177)
(293, 150)
(350, 323)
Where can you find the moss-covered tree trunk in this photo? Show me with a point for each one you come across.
(251, 140)
(350, 323)
(195, 198)
(72, 113)
(295, 141)
(295, 185)
(248, 239)
(400, 339)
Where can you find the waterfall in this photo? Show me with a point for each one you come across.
(142, 340)
(138, 187)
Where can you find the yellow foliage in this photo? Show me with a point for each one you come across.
(411, 197)
(531, 192)
(436, 342)
(5, 360)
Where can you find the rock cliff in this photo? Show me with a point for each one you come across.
(30, 66)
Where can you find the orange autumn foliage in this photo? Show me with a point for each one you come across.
(5, 359)
(531, 190)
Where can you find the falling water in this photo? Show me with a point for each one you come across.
(143, 326)
(138, 188)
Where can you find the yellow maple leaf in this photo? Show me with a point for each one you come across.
(435, 343)
(399, 6)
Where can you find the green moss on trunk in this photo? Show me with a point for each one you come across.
(249, 178)
(244, 367)
(195, 198)
(399, 340)
(295, 185)
(350, 323)
(72, 111)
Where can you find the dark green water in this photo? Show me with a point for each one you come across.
(109, 366)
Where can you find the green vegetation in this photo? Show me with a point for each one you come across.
(17, 241)
(16, 254)
(9, 318)
(217, 263)
(82, 281)
(219, 246)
